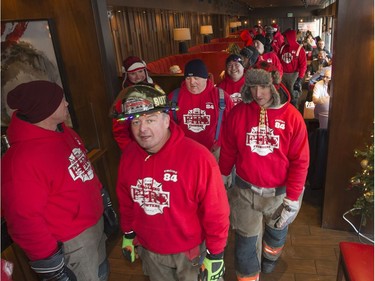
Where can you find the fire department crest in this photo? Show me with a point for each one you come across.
(262, 140)
(287, 57)
(149, 194)
(197, 120)
(80, 167)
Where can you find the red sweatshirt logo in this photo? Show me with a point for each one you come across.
(197, 120)
(80, 167)
(262, 140)
(287, 57)
(149, 194)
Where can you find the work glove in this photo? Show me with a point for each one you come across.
(227, 181)
(53, 268)
(128, 248)
(298, 85)
(286, 213)
(212, 267)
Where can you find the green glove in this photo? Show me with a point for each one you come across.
(212, 268)
(128, 246)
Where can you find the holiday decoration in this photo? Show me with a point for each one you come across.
(364, 182)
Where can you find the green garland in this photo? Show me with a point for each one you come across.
(364, 181)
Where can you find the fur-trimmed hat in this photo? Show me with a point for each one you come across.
(269, 67)
(36, 100)
(196, 68)
(259, 76)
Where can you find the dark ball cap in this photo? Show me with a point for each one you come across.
(36, 100)
(196, 68)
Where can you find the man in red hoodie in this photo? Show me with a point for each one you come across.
(51, 197)
(265, 137)
(293, 59)
(172, 201)
(199, 104)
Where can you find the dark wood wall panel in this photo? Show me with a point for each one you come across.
(148, 33)
(78, 43)
(352, 105)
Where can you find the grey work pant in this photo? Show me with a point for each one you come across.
(251, 217)
(86, 255)
(175, 267)
(289, 79)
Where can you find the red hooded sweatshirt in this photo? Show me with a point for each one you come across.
(233, 88)
(272, 155)
(198, 113)
(292, 55)
(49, 188)
(173, 199)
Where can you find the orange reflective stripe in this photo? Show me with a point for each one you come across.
(272, 251)
(251, 278)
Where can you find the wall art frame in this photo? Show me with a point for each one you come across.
(30, 51)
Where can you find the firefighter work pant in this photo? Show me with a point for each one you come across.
(174, 267)
(289, 79)
(86, 254)
(251, 217)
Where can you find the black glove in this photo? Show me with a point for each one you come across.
(53, 268)
(298, 85)
(111, 223)
(212, 268)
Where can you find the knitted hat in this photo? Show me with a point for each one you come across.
(275, 26)
(260, 38)
(36, 100)
(235, 58)
(132, 64)
(251, 53)
(196, 68)
(270, 29)
(259, 77)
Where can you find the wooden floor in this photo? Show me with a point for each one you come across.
(310, 254)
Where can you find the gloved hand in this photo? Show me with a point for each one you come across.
(212, 268)
(53, 267)
(298, 85)
(227, 181)
(289, 211)
(128, 249)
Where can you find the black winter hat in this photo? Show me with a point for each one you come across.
(196, 68)
(260, 38)
(251, 53)
(234, 57)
